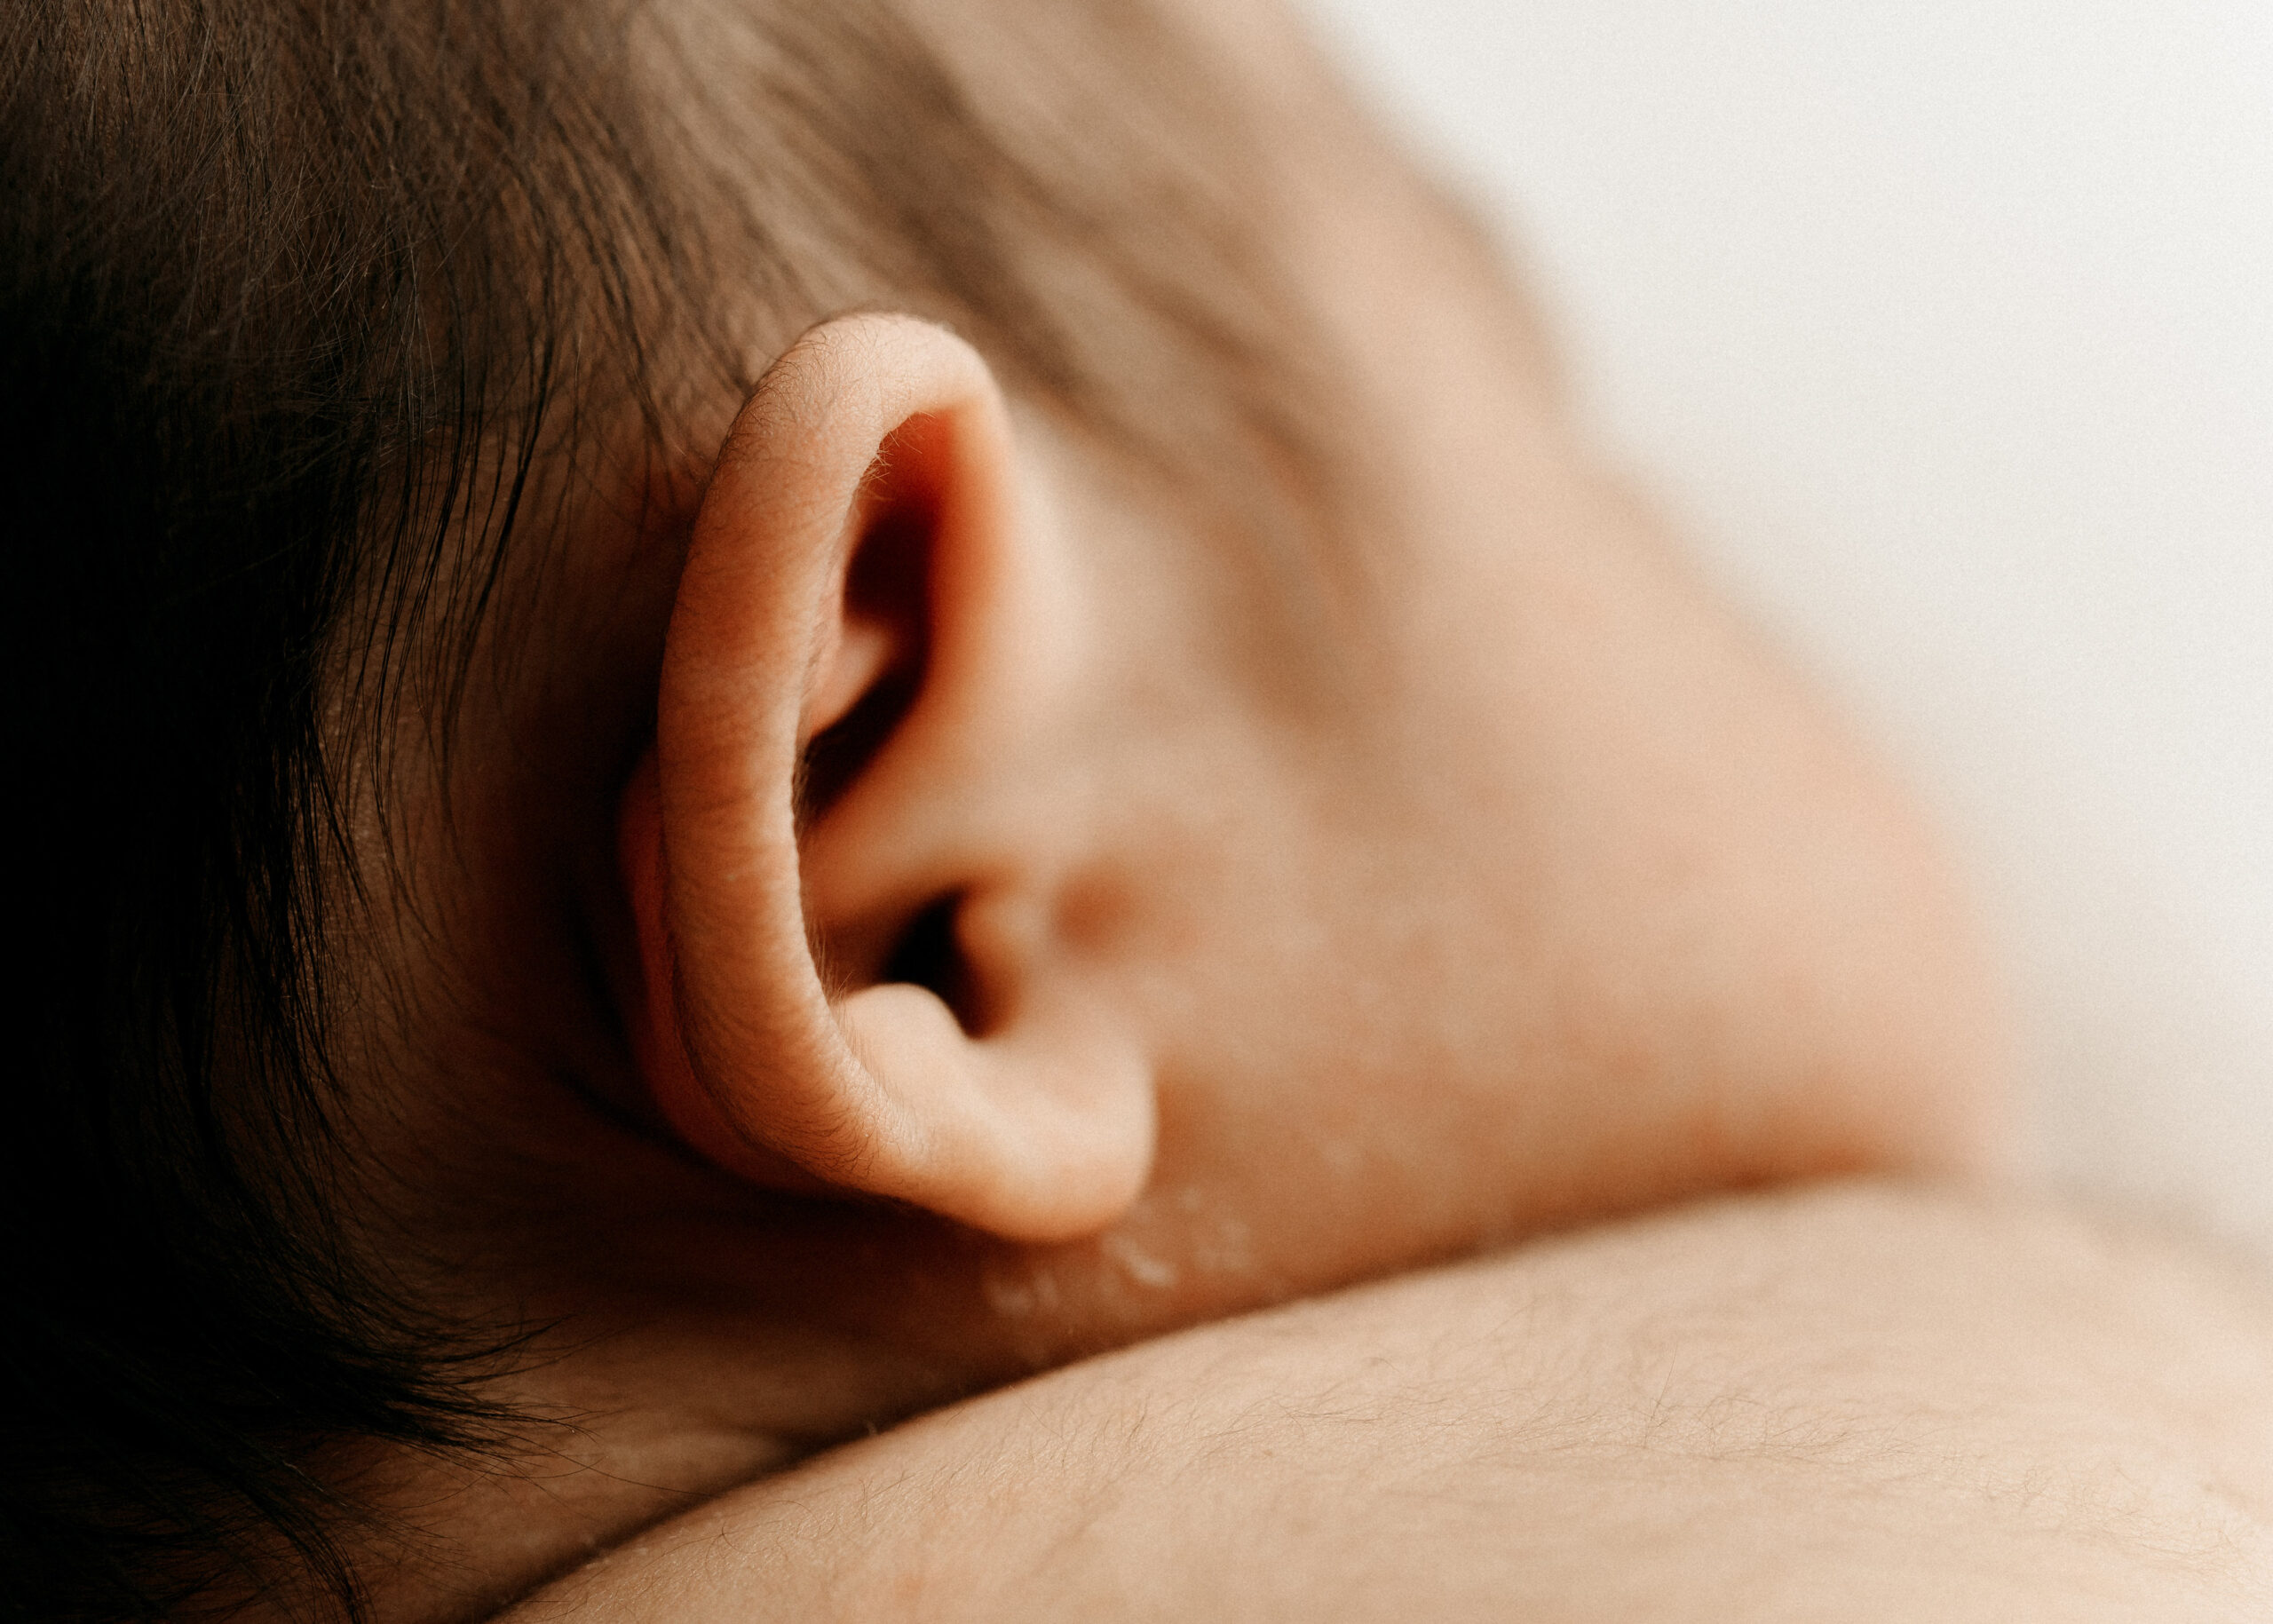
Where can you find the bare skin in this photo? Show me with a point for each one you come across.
(1855, 1402)
(1299, 932)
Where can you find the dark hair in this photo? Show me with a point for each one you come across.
(293, 302)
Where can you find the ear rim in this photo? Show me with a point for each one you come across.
(755, 1067)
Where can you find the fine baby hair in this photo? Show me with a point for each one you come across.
(734, 718)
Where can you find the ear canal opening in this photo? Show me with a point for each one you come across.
(928, 955)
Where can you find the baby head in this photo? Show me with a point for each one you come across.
(744, 717)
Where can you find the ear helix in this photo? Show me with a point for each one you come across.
(657, 1047)
(1039, 1128)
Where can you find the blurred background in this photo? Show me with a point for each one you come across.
(1946, 333)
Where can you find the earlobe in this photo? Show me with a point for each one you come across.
(845, 597)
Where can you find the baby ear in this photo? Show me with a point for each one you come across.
(848, 975)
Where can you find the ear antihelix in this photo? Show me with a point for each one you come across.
(1040, 1131)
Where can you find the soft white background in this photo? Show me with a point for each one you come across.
(1946, 330)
